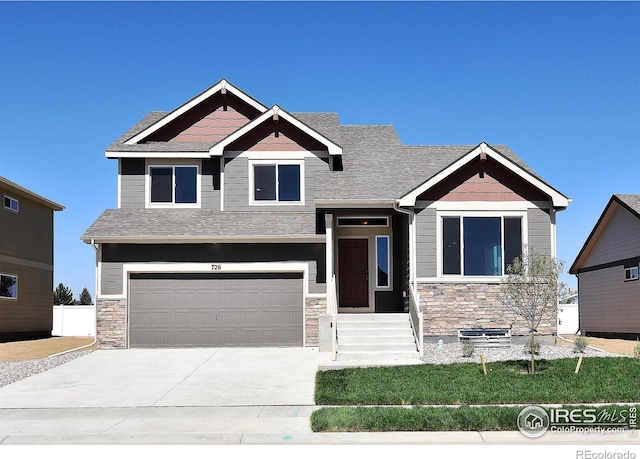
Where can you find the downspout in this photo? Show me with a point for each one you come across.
(95, 311)
(412, 239)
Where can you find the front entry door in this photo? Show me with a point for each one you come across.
(353, 272)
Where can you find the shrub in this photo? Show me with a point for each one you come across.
(468, 348)
(536, 346)
(580, 344)
(636, 351)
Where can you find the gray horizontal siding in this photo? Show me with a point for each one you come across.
(111, 279)
(608, 303)
(620, 239)
(114, 255)
(426, 243)
(133, 184)
(539, 229)
(236, 186)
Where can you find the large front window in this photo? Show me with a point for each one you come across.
(174, 184)
(480, 246)
(277, 183)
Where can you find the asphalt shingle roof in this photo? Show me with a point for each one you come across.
(631, 200)
(199, 224)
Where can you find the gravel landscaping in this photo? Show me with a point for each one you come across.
(11, 372)
(452, 353)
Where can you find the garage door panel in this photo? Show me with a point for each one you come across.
(239, 310)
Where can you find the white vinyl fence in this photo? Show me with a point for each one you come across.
(568, 319)
(74, 320)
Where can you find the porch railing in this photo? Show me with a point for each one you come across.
(332, 311)
(416, 318)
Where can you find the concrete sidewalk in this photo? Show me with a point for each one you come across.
(221, 396)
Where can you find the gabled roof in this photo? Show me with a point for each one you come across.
(222, 86)
(275, 113)
(629, 202)
(558, 199)
(19, 191)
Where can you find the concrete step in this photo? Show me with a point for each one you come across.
(379, 356)
(405, 338)
(394, 317)
(376, 347)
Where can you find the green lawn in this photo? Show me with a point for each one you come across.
(418, 419)
(600, 380)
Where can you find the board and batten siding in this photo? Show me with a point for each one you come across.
(237, 192)
(538, 229)
(608, 304)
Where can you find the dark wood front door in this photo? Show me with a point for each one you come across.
(353, 272)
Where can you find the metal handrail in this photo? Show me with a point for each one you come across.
(416, 317)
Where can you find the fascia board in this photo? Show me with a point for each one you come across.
(218, 149)
(558, 200)
(192, 103)
(157, 154)
(202, 239)
(20, 191)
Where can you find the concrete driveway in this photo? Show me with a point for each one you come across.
(172, 377)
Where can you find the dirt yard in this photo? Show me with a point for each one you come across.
(39, 348)
(616, 346)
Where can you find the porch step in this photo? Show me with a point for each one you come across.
(375, 337)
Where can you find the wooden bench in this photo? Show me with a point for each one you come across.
(486, 337)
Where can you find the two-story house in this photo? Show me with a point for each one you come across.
(244, 225)
(26, 263)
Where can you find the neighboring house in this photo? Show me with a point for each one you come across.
(241, 224)
(26, 263)
(607, 270)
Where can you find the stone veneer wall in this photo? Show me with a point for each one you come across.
(111, 323)
(314, 308)
(449, 307)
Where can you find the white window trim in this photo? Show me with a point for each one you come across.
(389, 285)
(10, 297)
(462, 214)
(172, 205)
(11, 200)
(630, 270)
(275, 162)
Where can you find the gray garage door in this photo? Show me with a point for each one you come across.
(176, 310)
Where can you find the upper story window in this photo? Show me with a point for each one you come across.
(276, 182)
(10, 203)
(480, 246)
(631, 273)
(8, 286)
(173, 185)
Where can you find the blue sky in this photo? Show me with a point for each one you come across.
(557, 82)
